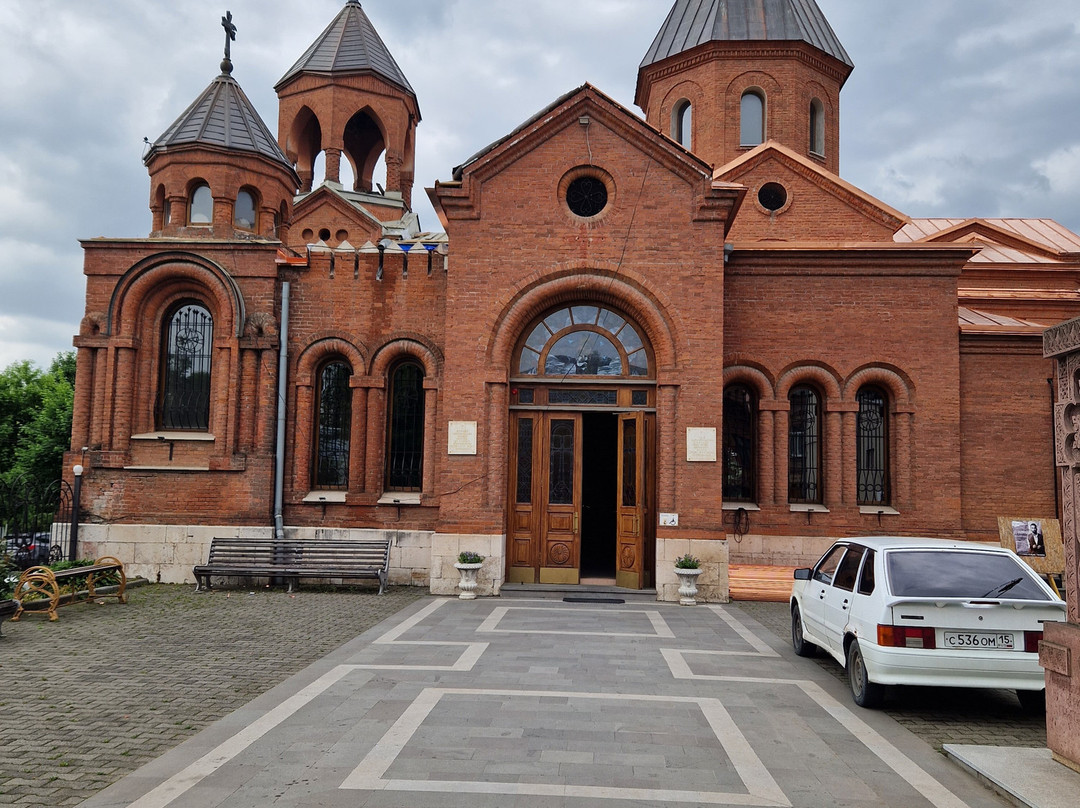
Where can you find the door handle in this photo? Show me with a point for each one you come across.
(575, 522)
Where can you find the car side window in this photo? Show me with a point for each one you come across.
(848, 570)
(826, 568)
(866, 582)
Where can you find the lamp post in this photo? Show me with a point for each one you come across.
(76, 497)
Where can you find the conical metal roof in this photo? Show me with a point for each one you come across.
(222, 116)
(349, 44)
(695, 22)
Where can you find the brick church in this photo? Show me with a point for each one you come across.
(636, 337)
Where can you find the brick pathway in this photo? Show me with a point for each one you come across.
(90, 698)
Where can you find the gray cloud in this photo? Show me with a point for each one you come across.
(954, 109)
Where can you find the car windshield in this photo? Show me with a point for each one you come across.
(960, 574)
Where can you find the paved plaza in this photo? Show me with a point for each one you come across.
(501, 702)
(402, 699)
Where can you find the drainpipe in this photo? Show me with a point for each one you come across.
(279, 454)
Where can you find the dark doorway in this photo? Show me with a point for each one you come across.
(599, 488)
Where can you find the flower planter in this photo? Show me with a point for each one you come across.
(467, 584)
(687, 585)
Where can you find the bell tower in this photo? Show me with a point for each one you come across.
(347, 97)
(724, 76)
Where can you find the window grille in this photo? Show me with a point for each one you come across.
(524, 461)
(804, 446)
(872, 460)
(561, 463)
(406, 429)
(185, 386)
(333, 427)
(740, 412)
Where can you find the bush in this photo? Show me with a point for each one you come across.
(687, 562)
(9, 576)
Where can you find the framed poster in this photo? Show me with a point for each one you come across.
(1036, 540)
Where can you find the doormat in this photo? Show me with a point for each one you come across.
(593, 600)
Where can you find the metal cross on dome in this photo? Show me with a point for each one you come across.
(230, 34)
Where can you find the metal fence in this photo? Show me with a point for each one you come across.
(36, 522)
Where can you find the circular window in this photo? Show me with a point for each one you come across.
(586, 196)
(772, 196)
(324, 234)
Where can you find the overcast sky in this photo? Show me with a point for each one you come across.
(956, 107)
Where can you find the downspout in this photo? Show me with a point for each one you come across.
(279, 453)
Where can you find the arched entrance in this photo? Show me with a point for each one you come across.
(582, 470)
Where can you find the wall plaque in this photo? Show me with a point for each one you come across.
(701, 444)
(461, 438)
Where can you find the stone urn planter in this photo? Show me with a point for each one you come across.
(688, 568)
(468, 564)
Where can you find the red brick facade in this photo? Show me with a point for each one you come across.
(831, 292)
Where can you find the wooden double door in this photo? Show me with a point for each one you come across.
(580, 498)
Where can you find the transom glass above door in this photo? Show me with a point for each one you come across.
(583, 341)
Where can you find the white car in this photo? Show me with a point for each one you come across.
(908, 611)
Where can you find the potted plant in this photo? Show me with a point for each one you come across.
(468, 564)
(688, 568)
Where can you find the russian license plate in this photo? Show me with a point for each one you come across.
(978, 639)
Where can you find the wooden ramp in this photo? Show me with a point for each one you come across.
(761, 583)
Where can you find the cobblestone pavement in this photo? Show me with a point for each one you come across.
(90, 698)
(938, 715)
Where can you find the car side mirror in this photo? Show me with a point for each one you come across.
(802, 574)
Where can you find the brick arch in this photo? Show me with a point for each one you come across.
(751, 376)
(898, 387)
(154, 283)
(412, 346)
(823, 377)
(571, 286)
(323, 348)
(687, 89)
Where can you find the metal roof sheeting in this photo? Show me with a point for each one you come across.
(696, 22)
(1044, 233)
(349, 44)
(222, 116)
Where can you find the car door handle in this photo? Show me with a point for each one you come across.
(845, 604)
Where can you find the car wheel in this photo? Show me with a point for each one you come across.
(865, 693)
(1032, 701)
(802, 646)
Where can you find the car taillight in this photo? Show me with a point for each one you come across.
(1031, 641)
(906, 637)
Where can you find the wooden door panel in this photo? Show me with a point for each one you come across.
(524, 527)
(632, 498)
(560, 543)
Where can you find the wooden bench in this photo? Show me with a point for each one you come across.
(45, 583)
(295, 559)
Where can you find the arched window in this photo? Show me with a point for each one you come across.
(244, 216)
(201, 210)
(872, 447)
(333, 426)
(681, 119)
(584, 341)
(187, 347)
(752, 118)
(405, 428)
(804, 446)
(740, 415)
(817, 127)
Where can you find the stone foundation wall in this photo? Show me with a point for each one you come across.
(712, 584)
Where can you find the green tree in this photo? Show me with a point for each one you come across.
(35, 419)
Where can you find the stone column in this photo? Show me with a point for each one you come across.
(1059, 652)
